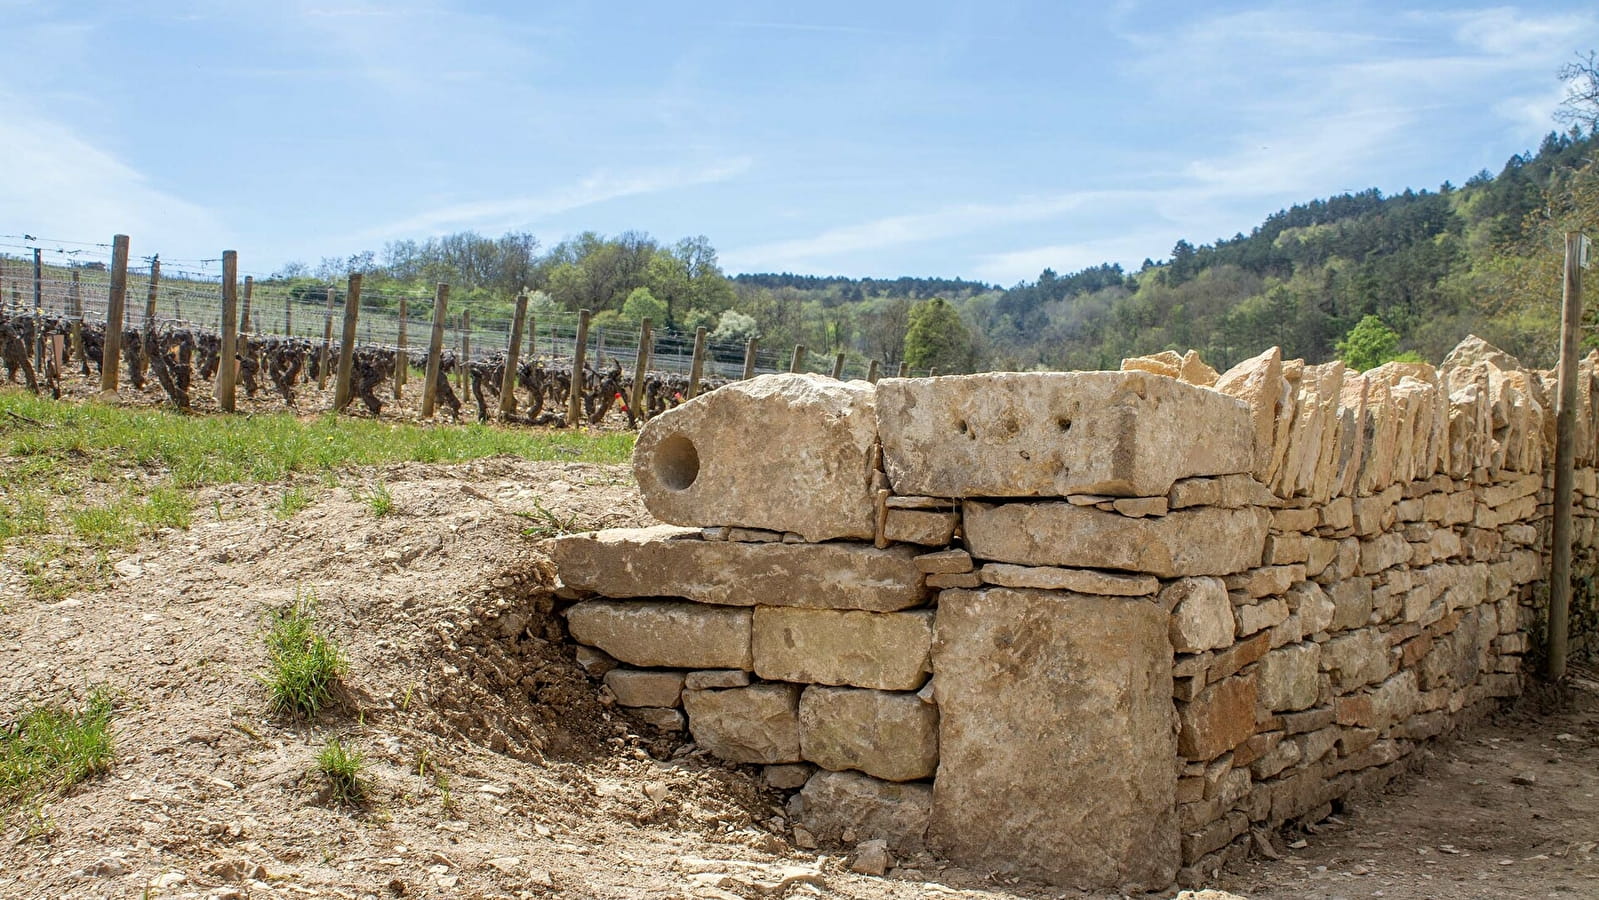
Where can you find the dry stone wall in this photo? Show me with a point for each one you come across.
(1104, 629)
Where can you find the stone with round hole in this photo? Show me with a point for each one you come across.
(786, 453)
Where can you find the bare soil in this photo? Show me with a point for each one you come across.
(495, 768)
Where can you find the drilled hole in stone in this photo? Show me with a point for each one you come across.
(1064, 424)
(677, 463)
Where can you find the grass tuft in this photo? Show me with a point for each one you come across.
(379, 500)
(51, 748)
(343, 769)
(303, 665)
(292, 501)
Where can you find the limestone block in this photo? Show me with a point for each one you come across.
(849, 807)
(1201, 614)
(1352, 604)
(1230, 491)
(665, 719)
(955, 580)
(1356, 659)
(715, 678)
(1383, 552)
(944, 562)
(1083, 581)
(755, 724)
(1219, 719)
(1198, 541)
(886, 651)
(710, 461)
(1314, 608)
(1289, 677)
(643, 687)
(674, 562)
(1076, 686)
(666, 634)
(920, 526)
(1253, 617)
(892, 736)
(1258, 382)
(1052, 434)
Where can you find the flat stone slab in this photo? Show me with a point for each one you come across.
(1050, 434)
(888, 735)
(755, 724)
(666, 561)
(1083, 581)
(1056, 738)
(664, 634)
(1199, 541)
(779, 452)
(886, 651)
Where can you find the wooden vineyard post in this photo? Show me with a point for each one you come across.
(38, 312)
(532, 338)
(227, 366)
(149, 307)
(751, 347)
(323, 355)
(402, 361)
(696, 368)
(903, 367)
(513, 353)
(799, 358)
(75, 315)
(352, 311)
(464, 368)
(244, 315)
(872, 372)
(838, 366)
(574, 397)
(1565, 447)
(430, 387)
(641, 369)
(111, 349)
(288, 315)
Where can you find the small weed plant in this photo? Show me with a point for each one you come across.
(546, 523)
(51, 748)
(342, 767)
(303, 664)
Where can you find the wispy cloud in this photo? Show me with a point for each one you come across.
(56, 182)
(891, 231)
(514, 212)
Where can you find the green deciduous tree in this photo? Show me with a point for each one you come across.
(1370, 344)
(937, 338)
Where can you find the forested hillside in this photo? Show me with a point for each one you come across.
(1429, 265)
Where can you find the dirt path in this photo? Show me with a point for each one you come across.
(497, 772)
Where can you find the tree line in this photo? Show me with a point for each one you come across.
(1360, 276)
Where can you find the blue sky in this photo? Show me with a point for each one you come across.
(983, 140)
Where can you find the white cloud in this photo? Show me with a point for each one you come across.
(57, 184)
(514, 212)
(891, 231)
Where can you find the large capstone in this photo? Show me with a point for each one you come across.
(779, 452)
(1196, 541)
(1052, 434)
(676, 562)
(1056, 737)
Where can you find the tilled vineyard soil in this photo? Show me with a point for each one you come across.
(496, 770)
